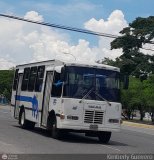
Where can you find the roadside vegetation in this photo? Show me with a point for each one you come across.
(6, 79)
(139, 96)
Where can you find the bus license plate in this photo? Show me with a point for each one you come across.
(93, 127)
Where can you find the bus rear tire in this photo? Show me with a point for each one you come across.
(104, 137)
(25, 124)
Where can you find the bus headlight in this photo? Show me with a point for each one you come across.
(62, 116)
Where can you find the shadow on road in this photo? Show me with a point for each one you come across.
(74, 137)
(36, 130)
(79, 138)
(115, 143)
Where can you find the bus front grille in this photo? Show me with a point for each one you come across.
(95, 117)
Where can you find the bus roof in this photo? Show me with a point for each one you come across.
(56, 62)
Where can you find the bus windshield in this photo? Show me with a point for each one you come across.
(80, 80)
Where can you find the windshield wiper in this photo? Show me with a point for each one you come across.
(97, 94)
(86, 95)
(100, 96)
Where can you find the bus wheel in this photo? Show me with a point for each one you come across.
(25, 123)
(22, 120)
(55, 132)
(104, 137)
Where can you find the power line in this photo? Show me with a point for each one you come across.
(61, 26)
(69, 28)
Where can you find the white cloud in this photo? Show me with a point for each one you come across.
(149, 47)
(5, 64)
(34, 16)
(114, 24)
(22, 42)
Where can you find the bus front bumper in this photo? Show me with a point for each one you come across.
(85, 128)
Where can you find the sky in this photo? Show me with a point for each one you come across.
(23, 42)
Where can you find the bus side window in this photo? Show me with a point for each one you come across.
(32, 78)
(39, 80)
(25, 79)
(15, 79)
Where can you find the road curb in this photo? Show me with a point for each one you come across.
(132, 124)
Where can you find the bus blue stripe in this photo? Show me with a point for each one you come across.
(24, 98)
(32, 100)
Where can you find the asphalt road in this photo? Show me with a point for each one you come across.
(13, 139)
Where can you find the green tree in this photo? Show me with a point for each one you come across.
(149, 95)
(139, 32)
(6, 79)
(133, 98)
(132, 61)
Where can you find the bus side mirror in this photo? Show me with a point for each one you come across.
(125, 82)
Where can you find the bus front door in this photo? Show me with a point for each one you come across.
(17, 101)
(46, 97)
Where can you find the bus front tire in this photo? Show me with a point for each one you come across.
(104, 137)
(25, 124)
(55, 132)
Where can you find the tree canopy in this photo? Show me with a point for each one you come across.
(6, 79)
(138, 33)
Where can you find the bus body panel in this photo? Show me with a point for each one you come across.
(77, 109)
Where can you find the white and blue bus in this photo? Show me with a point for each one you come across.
(68, 97)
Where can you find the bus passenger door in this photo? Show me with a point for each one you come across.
(46, 97)
(17, 101)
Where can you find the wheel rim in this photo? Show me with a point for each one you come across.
(22, 118)
(54, 128)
